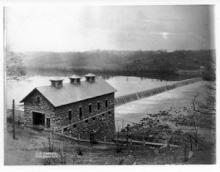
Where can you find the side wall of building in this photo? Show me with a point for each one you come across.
(101, 120)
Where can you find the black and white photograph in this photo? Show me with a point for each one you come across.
(109, 85)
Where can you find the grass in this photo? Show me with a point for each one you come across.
(22, 151)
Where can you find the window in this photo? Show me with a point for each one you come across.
(80, 113)
(90, 108)
(38, 99)
(48, 122)
(65, 129)
(98, 105)
(106, 103)
(70, 115)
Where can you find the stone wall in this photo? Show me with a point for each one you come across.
(62, 118)
(43, 106)
(102, 126)
(100, 120)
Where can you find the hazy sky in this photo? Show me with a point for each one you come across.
(79, 28)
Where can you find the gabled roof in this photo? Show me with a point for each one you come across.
(70, 93)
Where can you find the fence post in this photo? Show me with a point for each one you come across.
(185, 153)
(13, 117)
(144, 142)
(191, 147)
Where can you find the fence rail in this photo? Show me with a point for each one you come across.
(19, 115)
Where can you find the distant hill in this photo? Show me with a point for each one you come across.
(160, 62)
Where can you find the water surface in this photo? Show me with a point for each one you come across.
(18, 88)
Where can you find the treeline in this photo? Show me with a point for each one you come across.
(136, 62)
(15, 65)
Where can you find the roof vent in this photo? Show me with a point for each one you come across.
(56, 82)
(90, 78)
(75, 79)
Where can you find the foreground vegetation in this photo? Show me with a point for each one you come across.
(29, 143)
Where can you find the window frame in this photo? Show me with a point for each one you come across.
(48, 119)
(38, 99)
(98, 105)
(80, 113)
(70, 115)
(106, 103)
(64, 129)
(90, 108)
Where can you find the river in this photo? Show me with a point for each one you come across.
(18, 87)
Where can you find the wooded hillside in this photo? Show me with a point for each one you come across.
(161, 62)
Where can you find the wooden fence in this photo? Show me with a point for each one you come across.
(19, 115)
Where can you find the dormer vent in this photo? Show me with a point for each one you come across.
(75, 79)
(56, 83)
(90, 78)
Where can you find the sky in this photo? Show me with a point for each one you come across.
(82, 28)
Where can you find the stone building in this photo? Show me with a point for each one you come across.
(81, 108)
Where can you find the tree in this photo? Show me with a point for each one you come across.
(203, 108)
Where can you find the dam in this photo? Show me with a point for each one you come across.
(150, 92)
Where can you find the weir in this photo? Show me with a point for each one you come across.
(146, 93)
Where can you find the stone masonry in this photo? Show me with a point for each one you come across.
(99, 119)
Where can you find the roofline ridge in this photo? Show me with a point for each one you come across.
(44, 89)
